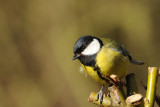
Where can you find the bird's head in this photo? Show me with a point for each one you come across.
(86, 47)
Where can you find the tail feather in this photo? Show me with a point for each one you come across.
(126, 53)
(136, 62)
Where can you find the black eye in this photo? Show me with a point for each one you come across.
(83, 47)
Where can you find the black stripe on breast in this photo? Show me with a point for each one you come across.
(96, 68)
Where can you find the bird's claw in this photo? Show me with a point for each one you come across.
(100, 95)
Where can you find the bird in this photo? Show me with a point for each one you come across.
(102, 57)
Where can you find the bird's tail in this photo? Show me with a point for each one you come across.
(136, 62)
(126, 53)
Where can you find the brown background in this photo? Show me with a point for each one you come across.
(36, 46)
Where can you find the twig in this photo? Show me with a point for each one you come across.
(151, 86)
(135, 99)
(132, 89)
(105, 103)
(117, 96)
(117, 90)
(114, 98)
(131, 84)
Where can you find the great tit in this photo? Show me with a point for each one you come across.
(102, 57)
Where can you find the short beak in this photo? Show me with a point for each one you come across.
(75, 56)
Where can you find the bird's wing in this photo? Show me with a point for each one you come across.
(126, 53)
(120, 48)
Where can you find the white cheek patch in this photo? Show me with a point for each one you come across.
(92, 48)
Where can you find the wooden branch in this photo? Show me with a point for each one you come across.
(114, 98)
(105, 103)
(151, 86)
(135, 99)
(131, 84)
(117, 96)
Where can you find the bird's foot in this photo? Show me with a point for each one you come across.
(100, 95)
(116, 81)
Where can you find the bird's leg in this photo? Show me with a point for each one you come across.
(100, 95)
(116, 81)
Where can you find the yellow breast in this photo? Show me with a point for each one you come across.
(110, 62)
(89, 70)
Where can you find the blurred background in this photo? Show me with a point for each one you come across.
(36, 46)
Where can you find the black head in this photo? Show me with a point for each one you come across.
(86, 49)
